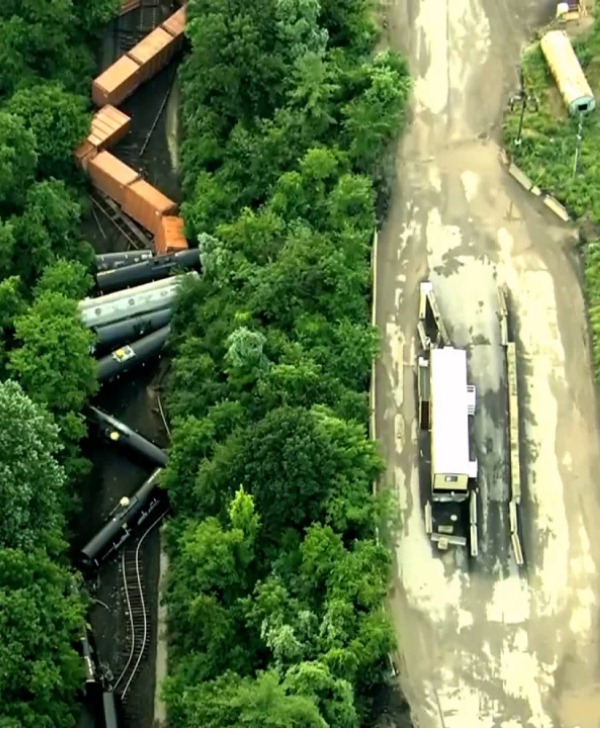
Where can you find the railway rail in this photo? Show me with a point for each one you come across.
(131, 570)
(132, 234)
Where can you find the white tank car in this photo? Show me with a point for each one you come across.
(97, 311)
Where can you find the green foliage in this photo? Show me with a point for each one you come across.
(67, 277)
(31, 480)
(59, 122)
(48, 41)
(547, 153)
(547, 149)
(275, 593)
(49, 228)
(40, 618)
(54, 363)
(46, 63)
(592, 287)
(18, 160)
(231, 701)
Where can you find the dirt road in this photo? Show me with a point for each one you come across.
(487, 645)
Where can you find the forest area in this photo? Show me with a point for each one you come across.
(47, 372)
(277, 582)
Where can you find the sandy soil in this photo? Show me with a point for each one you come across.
(482, 643)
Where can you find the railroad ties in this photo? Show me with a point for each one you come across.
(133, 592)
(127, 228)
(150, 16)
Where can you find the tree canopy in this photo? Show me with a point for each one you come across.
(46, 63)
(286, 116)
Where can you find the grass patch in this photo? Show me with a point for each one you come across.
(547, 153)
(547, 149)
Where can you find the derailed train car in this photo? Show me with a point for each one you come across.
(150, 270)
(114, 260)
(109, 337)
(124, 359)
(107, 309)
(131, 513)
(117, 433)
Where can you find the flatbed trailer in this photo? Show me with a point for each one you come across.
(450, 515)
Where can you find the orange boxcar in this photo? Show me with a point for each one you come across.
(111, 176)
(175, 24)
(109, 125)
(170, 236)
(116, 83)
(154, 52)
(145, 204)
(84, 153)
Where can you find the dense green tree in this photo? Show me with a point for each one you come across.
(286, 120)
(93, 14)
(40, 618)
(372, 118)
(59, 121)
(238, 43)
(303, 465)
(210, 572)
(31, 480)
(231, 701)
(348, 22)
(41, 39)
(12, 300)
(7, 247)
(53, 362)
(298, 30)
(334, 697)
(48, 229)
(66, 277)
(18, 159)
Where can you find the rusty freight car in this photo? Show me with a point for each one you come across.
(116, 83)
(109, 126)
(141, 63)
(84, 153)
(175, 24)
(154, 52)
(111, 176)
(170, 235)
(146, 205)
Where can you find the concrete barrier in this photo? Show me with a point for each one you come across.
(522, 179)
(556, 208)
(527, 184)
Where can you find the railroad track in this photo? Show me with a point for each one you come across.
(150, 15)
(110, 211)
(139, 628)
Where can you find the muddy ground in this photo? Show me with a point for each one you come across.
(486, 644)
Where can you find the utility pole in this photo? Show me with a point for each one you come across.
(527, 100)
